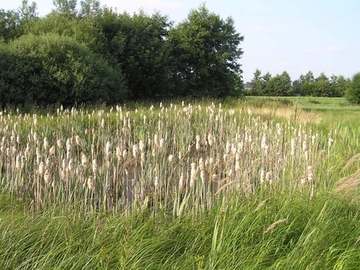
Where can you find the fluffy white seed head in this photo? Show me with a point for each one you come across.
(293, 147)
(197, 144)
(210, 139)
(70, 166)
(124, 154)
(107, 149)
(47, 176)
(181, 182)
(94, 166)
(330, 142)
(237, 166)
(269, 176)
(135, 150)
(91, 183)
(310, 173)
(84, 160)
(18, 162)
(262, 176)
(141, 146)
(46, 143)
(78, 140)
(161, 143)
(156, 182)
(41, 168)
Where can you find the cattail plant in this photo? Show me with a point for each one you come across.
(181, 157)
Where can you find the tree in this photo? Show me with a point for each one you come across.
(27, 12)
(257, 83)
(206, 50)
(139, 44)
(90, 9)
(267, 88)
(81, 30)
(280, 85)
(296, 88)
(339, 84)
(322, 86)
(12, 22)
(353, 92)
(9, 25)
(65, 7)
(307, 84)
(145, 60)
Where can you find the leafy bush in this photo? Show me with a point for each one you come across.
(56, 69)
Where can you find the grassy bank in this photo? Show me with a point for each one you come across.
(179, 186)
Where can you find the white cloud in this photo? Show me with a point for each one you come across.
(332, 48)
(300, 24)
(311, 51)
(284, 64)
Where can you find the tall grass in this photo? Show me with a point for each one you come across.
(181, 158)
(275, 232)
(177, 186)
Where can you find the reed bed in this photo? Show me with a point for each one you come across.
(177, 158)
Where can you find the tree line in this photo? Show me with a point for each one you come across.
(307, 85)
(88, 53)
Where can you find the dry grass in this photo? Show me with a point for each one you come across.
(349, 184)
(288, 113)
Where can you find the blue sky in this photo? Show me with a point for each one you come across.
(296, 36)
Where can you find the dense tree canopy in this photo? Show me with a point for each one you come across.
(305, 85)
(86, 53)
(82, 52)
(206, 49)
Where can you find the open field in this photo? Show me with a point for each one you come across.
(252, 184)
(327, 109)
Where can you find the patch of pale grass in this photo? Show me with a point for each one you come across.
(274, 225)
(351, 161)
(349, 184)
(289, 113)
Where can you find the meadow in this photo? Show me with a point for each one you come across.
(234, 184)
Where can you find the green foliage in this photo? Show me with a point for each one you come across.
(266, 85)
(198, 58)
(65, 7)
(322, 87)
(341, 85)
(273, 225)
(257, 84)
(321, 233)
(280, 85)
(353, 91)
(306, 85)
(12, 22)
(82, 30)
(138, 43)
(9, 28)
(206, 50)
(54, 69)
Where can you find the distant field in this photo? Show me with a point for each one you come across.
(333, 109)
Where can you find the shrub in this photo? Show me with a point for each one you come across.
(52, 69)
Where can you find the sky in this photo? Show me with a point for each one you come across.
(279, 35)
